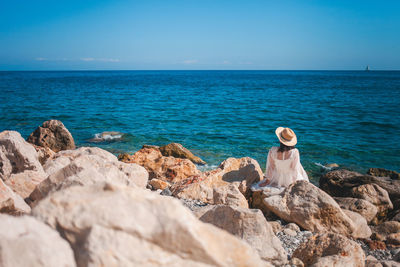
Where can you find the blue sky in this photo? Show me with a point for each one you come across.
(199, 34)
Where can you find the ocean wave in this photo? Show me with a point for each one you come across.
(323, 166)
(106, 137)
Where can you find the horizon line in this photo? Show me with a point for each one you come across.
(94, 70)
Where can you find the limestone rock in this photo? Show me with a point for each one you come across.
(387, 228)
(361, 206)
(362, 229)
(164, 168)
(85, 166)
(54, 135)
(158, 184)
(384, 173)
(25, 241)
(339, 183)
(251, 226)
(10, 202)
(20, 168)
(375, 195)
(276, 226)
(116, 225)
(393, 239)
(311, 208)
(329, 249)
(243, 171)
(178, 151)
(229, 195)
(44, 153)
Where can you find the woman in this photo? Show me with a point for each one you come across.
(283, 163)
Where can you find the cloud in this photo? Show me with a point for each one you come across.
(86, 59)
(100, 59)
(190, 61)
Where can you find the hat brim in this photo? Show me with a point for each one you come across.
(278, 133)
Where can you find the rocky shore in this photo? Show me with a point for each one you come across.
(67, 206)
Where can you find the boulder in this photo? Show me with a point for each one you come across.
(339, 183)
(375, 195)
(361, 206)
(169, 169)
(329, 249)
(380, 172)
(229, 195)
(25, 241)
(258, 194)
(85, 166)
(54, 135)
(11, 202)
(362, 229)
(251, 226)
(20, 168)
(393, 239)
(178, 151)
(311, 208)
(387, 228)
(158, 184)
(243, 171)
(136, 227)
(44, 153)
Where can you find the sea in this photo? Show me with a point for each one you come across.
(351, 118)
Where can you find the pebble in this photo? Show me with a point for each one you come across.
(291, 242)
(379, 254)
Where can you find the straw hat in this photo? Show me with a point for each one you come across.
(286, 136)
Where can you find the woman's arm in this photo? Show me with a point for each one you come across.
(269, 168)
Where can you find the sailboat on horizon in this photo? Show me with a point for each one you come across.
(367, 68)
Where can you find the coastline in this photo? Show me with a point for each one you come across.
(357, 215)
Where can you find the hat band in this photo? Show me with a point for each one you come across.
(288, 140)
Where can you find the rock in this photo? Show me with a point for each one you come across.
(20, 168)
(289, 232)
(375, 244)
(311, 208)
(396, 217)
(11, 203)
(229, 195)
(25, 241)
(178, 151)
(293, 227)
(390, 264)
(380, 172)
(106, 136)
(276, 226)
(329, 249)
(386, 228)
(85, 166)
(136, 227)
(332, 165)
(164, 168)
(296, 262)
(339, 183)
(243, 171)
(393, 239)
(159, 184)
(362, 229)
(372, 262)
(256, 201)
(54, 135)
(251, 226)
(44, 153)
(375, 195)
(361, 206)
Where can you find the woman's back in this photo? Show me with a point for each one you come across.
(284, 168)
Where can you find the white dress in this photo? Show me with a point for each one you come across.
(285, 171)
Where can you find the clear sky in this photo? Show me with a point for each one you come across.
(199, 34)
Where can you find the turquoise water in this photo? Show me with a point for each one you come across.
(351, 118)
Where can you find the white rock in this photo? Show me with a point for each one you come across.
(116, 225)
(86, 166)
(251, 226)
(24, 241)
